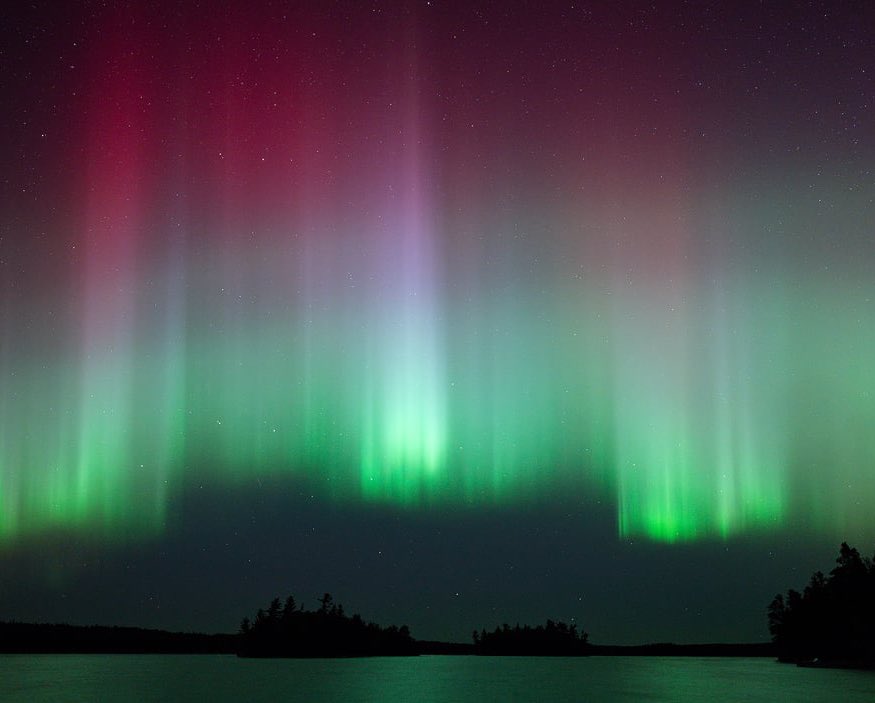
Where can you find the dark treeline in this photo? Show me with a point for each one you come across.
(669, 649)
(552, 639)
(19, 637)
(287, 630)
(832, 622)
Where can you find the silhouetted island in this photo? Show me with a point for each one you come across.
(286, 630)
(552, 639)
(832, 622)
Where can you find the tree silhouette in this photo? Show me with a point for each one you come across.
(553, 638)
(833, 619)
(245, 626)
(274, 611)
(290, 631)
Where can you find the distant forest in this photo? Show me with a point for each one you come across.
(832, 622)
(285, 629)
(288, 630)
(21, 637)
(554, 638)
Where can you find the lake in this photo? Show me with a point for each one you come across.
(166, 678)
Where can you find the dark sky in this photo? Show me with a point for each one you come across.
(467, 313)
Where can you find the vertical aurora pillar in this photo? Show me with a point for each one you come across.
(114, 200)
(404, 426)
(698, 408)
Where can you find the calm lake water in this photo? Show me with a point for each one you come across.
(134, 678)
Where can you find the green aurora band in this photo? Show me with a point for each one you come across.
(705, 409)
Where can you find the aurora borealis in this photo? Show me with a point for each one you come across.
(430, 257)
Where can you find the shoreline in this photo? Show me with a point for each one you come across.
(51, 638)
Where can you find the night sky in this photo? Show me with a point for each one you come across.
(466, 312)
